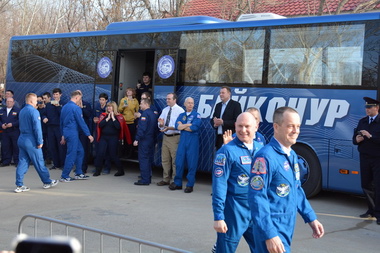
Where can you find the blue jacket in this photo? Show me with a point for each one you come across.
(147, 126)
(30, 124)
(194, 119)
(87, 114)
(13, 117)
(72, 120)
(232, 166)
(275, 192)
(53, 113)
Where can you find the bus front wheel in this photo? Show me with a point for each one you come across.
(310, 170)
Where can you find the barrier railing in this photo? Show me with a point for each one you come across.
(85, 230)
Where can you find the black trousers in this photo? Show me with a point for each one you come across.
(370, 180)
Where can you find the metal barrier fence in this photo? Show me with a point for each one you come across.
(85, 230)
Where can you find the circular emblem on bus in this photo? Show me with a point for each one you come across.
(165, 66)
(104, 67)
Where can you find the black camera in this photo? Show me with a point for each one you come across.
(57, 244)
(359, 133)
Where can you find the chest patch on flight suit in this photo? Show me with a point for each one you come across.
(143, 118)
(220, 159)
(243, 179)
(245, 159)
(257, 183)
(184, 118)
(297, 171)
(218, 172)
(14, 113)
(283, 190)
(259, 167)
(286, 165)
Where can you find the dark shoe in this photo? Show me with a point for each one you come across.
(53, 168)
(378, 222)
(188, 189)
(97, 171)
(47, 161)
(161, 183)
(366, 215)
(173, 187)
(140, 183)
(119, 173)
(4, 164)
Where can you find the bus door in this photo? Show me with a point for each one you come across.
(105, 75)
(132, 64)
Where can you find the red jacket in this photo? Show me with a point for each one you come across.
(124, 130)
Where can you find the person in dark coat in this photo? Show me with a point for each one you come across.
(367, 137)
(225, 115)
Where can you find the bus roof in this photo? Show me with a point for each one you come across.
(166, 22)
(199, 23)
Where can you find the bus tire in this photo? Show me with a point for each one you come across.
(312, 181)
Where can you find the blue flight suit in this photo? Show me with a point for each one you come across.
(230, 183)
(71, 123)
(45, 148)
(146, 135)
(10, 136)
(87, 117)
(188, 148)
(30, 138)
(275, 196)
(53, 113)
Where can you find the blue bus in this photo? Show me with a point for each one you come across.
(321, 66)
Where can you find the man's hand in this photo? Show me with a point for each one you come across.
(275, 245)
(317, 228)
(4, 126)
(220, 226)
(366, 133)
(227, 136)
(135, 143)
(40, 146)
(359, 138)
(161, 122)
(9, 125)
(45, 120)
(96, 120)
(63, 141)
(91, 138)
(217, 122)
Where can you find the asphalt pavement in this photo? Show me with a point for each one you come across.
(173, 218)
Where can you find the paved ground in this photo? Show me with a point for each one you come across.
(167, 217)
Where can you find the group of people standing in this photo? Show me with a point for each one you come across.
(256, 189)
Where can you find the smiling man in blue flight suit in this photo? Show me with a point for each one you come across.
(9, 122)
(71, 123)
(275, 192)
(232, 165)
(188, 123)
(145, 140)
